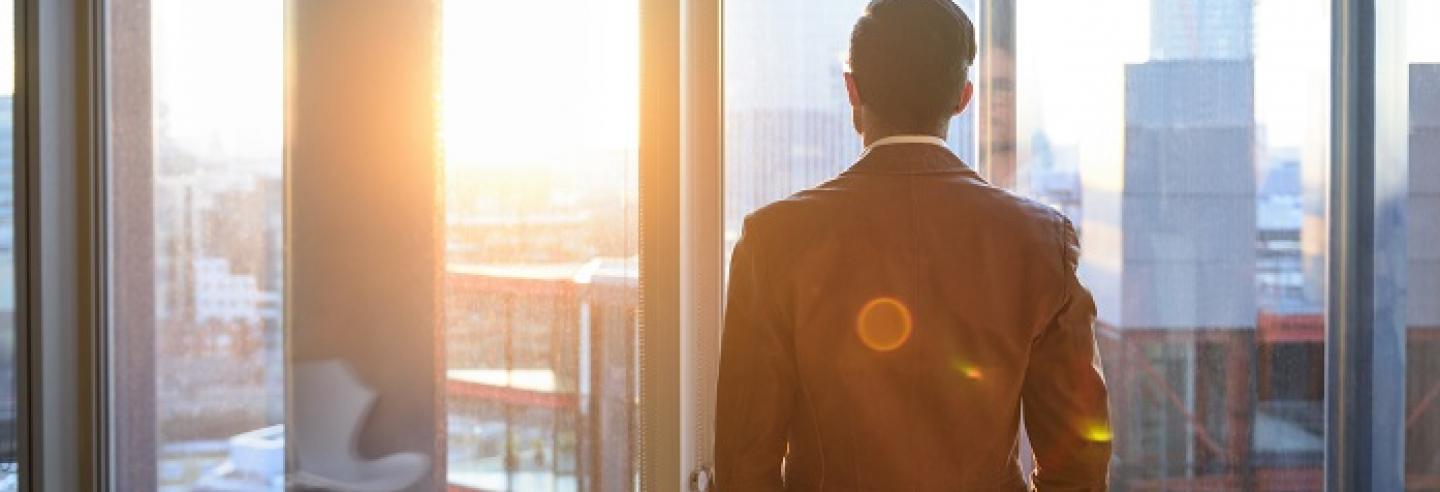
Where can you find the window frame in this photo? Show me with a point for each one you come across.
(702, 231)
(1355, 429)
(1365, 342)
(660, 273)
(62, 253)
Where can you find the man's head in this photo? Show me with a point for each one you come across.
(908, 67)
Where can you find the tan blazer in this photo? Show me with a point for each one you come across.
(884, 330)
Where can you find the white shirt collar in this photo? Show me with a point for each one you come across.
(906, 139)
(909, 139)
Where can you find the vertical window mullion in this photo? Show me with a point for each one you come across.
(701, 229)
(660, 315)
(996, 92)
(59, 257)
(1365, 350)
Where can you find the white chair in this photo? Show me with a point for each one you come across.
(330, 406)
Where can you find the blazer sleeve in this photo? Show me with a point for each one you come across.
(757, 381)
(1064, 395)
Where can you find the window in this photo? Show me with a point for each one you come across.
(242, 214)
(1189, 146)
(541, 272)
(784, 134)
(9, 451)
(197, 168)
(433, 209)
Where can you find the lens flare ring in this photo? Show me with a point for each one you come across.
(884, 324)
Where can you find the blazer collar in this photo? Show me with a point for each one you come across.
(910, 158)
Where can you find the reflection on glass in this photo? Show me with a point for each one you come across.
(198, 377)
(1188, 140)
(539, 120)
(541, 284)
(1422, 222)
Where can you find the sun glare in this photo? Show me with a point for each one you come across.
(538, 84)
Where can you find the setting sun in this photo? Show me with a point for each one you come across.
(524, 86)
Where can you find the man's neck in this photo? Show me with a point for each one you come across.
(872, 130)
(870, 137)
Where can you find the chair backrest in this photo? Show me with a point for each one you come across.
(330, 406)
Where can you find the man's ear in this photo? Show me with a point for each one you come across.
(852, 90)
(966, 94)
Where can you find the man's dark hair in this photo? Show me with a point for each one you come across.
(910, 60)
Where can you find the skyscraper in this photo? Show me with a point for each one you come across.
(1201, 29)
(1174, 238)
(1169, 240)
(1422, 359)
(1184, 212)
(1424, 199)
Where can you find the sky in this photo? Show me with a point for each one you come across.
(1071, 73)
(219, 62)
(536, 83)
(219, 79)
(1074, 69)
(1071, 79)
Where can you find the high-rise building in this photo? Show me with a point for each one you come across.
(1424, 199)
(1170, 240)
(1173, 240)
(1280, 219)
(1422, 359)
(1201, 29)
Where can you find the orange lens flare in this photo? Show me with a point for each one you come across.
(967, 369)
(884, 324)
(1098, 433)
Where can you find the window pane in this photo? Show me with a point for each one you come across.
(9, 479)
(196, 163)
(1191, 148)
(1188, 142)
(787, 119)
(541, 283)
(540, 244)
(1421, 212)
